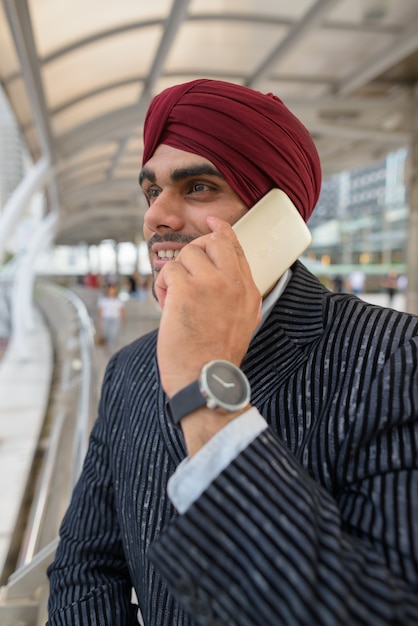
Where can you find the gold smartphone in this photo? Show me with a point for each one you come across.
(273, 235)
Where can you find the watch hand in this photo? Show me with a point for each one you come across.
(222, 381)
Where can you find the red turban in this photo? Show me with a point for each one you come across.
(252, 138)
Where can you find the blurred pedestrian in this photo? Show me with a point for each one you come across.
(356, 281)
(338, 284)
(111, 314)
(390, 284)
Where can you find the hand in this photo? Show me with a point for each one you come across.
(211, 306)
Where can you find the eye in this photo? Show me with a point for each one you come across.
(200, 188)
(151, 193)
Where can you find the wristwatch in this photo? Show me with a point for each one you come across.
(221, 385)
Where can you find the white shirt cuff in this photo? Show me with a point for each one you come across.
(195, 474)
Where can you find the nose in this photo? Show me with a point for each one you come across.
(166, 211)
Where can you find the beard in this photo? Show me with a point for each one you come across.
(173, 237)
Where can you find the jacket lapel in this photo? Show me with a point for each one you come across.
(282, 343)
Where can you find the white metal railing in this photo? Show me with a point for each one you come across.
(33, 181)
(72, 410)
(7, 277)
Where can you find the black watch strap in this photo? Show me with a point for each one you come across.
(185, 401)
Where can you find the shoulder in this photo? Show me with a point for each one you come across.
(308, 308)
(382, 325)
(135, 356)
(131, 371)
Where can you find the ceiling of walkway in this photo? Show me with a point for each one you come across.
(79, 75)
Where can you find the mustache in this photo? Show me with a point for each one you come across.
(171, 237)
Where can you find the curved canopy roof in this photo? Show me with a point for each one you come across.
(79, 75)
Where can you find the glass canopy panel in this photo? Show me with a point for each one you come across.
(9, 62)
(95, 192)
(90, 179)
(103, 190)
(128, 169)
(264, 8)
(17, 93)
(220, 49)
(91, 154)
(94, 107)
(320, 53)
(130, 159)
(59, 23)
(385, 12)
(72, 177)
(113, 60)
(133, 150)
(290, 90)
(134, 144)
(131, 172)
(114, 197)
(32, 142)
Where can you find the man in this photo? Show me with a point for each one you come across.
(299, 508)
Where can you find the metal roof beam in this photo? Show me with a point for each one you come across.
(97, 190)
(405, 44)
(401, 102)
(358, 132)
(252, 18)
(18, 16)
(17, 12)
(107, 127)
(176, 18)
(299, 31)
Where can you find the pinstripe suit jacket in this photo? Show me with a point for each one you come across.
(316, 522)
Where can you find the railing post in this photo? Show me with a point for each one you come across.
(34, 180)
(22, 300)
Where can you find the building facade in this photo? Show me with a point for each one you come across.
(361, 216)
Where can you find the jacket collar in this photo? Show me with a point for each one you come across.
(282, 343)
(299, 310)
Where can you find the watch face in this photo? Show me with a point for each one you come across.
(226, 384)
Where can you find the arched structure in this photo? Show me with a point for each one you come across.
(79, 76)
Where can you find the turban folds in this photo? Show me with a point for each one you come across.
(252, 138)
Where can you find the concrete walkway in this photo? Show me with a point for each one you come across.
(24, 394)
(142, 316)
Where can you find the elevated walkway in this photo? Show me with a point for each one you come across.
(24, 396)
(48, 404)
(142, 317)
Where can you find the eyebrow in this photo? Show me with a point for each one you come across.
(181, 173)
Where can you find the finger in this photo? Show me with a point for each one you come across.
(212, 260)
(218, 225)
(168, 277)
(221, 246)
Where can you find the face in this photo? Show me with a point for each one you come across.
(112, 291)
(182, 190)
